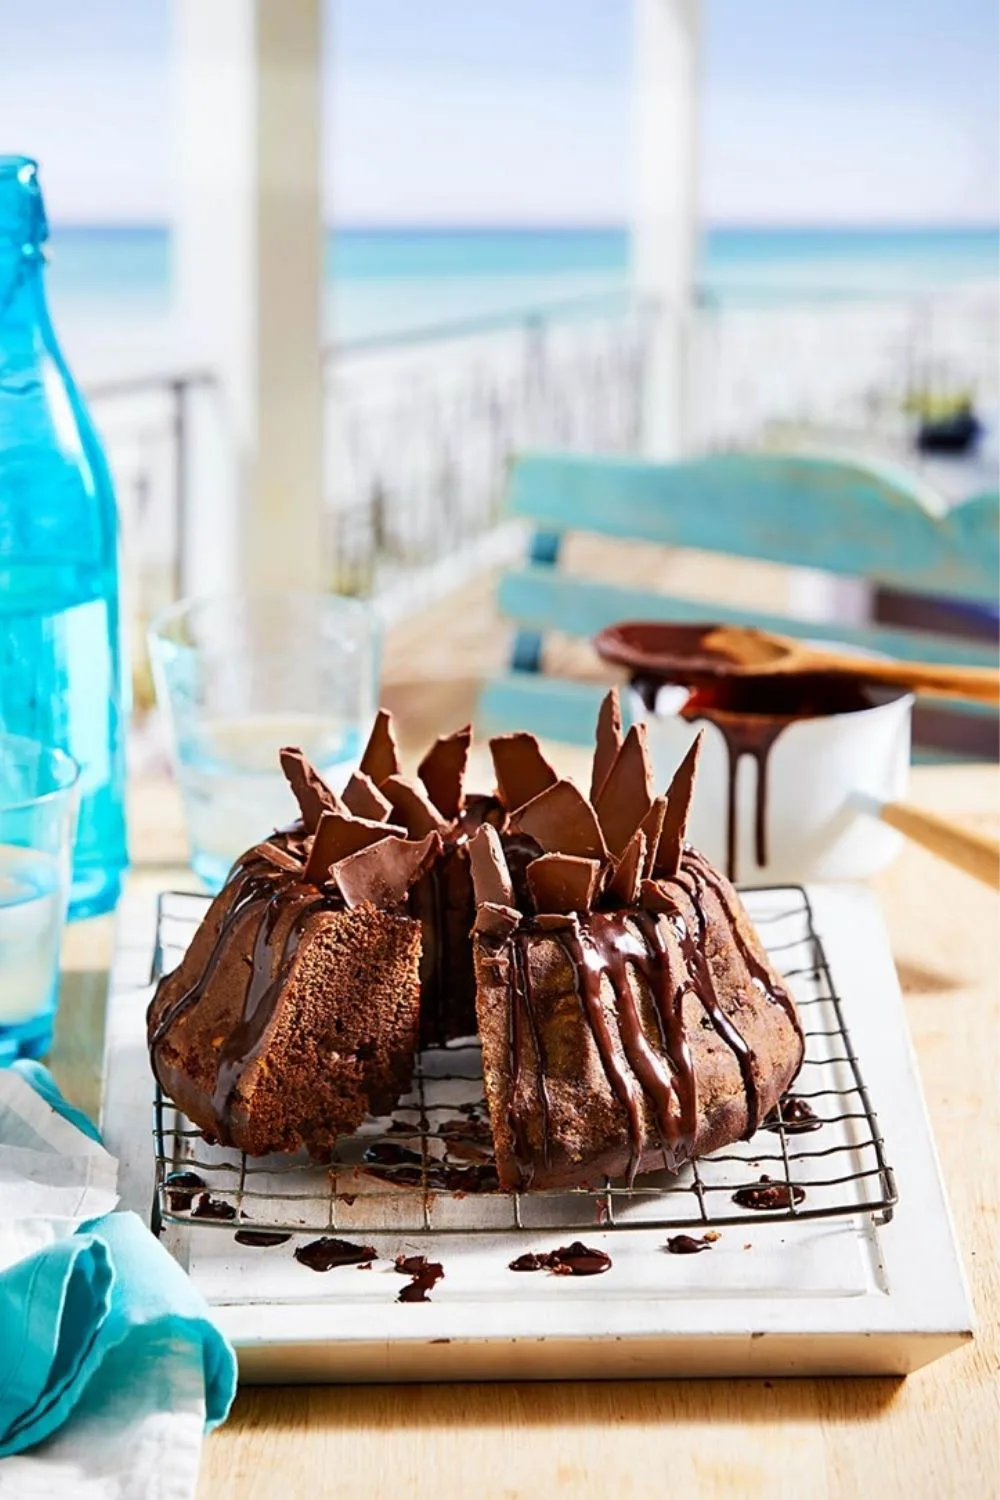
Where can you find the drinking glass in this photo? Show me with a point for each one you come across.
(38, 801)
(237, 678)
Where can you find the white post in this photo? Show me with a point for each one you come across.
(665, 224)
(249, 248)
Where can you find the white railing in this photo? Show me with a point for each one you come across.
(421, 429)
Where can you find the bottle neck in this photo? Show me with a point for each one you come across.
(22, 291)
(23, 233)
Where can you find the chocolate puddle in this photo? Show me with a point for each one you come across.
(425, 1275)
(686, 1244)
(181, 1189)
(323, 1254)
(769, 1194)
(207, 1207)
(260, 1237)
(576, 1259)
(795, 1114)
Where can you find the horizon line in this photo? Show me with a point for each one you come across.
(583, 226)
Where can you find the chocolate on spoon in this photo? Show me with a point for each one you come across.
(697, 653)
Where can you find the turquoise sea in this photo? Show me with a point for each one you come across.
(111, 287)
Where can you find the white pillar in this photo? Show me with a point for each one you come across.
(249, 248)
(665, 124)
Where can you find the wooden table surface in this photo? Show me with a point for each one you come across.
(934, 1434)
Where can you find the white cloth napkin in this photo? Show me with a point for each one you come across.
(134, 1418)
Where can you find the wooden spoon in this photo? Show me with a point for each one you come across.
(759, 653)
(975, 853)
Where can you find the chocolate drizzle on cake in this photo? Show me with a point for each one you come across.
(655, 928)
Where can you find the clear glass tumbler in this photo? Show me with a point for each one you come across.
(38, 804)
(238, 677)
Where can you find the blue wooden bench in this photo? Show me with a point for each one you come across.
(808, 512)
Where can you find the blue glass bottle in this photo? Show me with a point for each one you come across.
(60, 646)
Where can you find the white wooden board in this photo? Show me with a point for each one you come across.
(839, 1296)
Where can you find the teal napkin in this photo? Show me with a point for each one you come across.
(94, 1309)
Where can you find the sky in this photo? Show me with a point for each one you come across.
(517, 111)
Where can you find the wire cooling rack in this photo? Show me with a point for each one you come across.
(428, 1168)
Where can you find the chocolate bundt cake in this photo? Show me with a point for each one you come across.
(629, 1016)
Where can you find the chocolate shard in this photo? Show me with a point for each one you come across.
(521, 769)
(442, 771)
(383, 873)
(626, 796)
(284, 859)
(551, 921)
(362, 797)
(495, 920)
(381, 757)
(652, 827)
(490, 875)
(563, 882)
(337, 837)
(562, 821)
(656, 896)
(609, 741)
(310, 790)
(623, 887)
(412, 807)
(668, 851)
